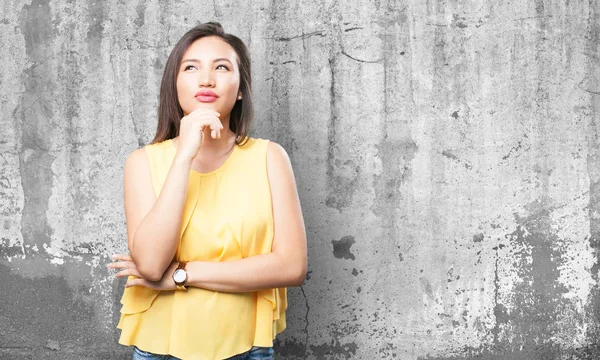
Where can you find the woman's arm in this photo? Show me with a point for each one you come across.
(284, 266)
(153, 224)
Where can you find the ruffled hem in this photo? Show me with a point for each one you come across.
(137, 299)
(270, 320)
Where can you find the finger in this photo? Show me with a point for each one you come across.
(122, 273)
(137, 282)
(121, 265)
(205, 111)
(215, 124)
(218, 127)
(128, 272)
(122, 257)
(200, 110)
(214, 130)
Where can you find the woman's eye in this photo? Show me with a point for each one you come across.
(189, 67)
(222, 67)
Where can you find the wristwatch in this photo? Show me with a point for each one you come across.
(180, 276)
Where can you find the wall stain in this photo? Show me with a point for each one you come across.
(97, 13)
(36, 109)
(539, 352)
(140, 10)
(593, 163)
(517, 149)
(396, 149)
(388, 351)
(427, 288)
(279, 114)
(72, 69)
(459, 21)
(538, 299)
(289, 349)
(342, 175)
(341, 248)
(65, 318)
(500, 311)
(451, 156)
(335, 348)
(526, 329)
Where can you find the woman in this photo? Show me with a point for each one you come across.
(215, 229)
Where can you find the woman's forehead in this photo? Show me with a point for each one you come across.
(209, 48)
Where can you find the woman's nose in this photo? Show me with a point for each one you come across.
(206, 79)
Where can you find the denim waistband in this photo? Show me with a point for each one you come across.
(256, 353)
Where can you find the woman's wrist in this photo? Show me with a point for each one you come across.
(183, 160)
(194, 273)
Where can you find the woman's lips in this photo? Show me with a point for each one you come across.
(206, 96)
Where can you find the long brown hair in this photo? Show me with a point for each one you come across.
(169, 110)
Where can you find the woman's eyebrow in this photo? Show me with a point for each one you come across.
(214, 61)
(191, 60)
(222, 59)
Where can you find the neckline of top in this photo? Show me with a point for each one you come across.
(219, 169)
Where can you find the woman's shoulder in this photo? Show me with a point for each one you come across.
(159, 145)
(143, 155)
(262, 147)
(251, 144)
(160, 150)
(267, 146)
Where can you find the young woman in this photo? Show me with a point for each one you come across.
(215, 229)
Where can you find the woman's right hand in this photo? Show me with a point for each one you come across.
(191, 131)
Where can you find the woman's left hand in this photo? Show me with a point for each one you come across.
(124, 262)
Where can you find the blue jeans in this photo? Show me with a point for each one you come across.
(256, 353)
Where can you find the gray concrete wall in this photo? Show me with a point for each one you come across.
(447, 157)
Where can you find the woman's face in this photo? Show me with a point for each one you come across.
(208, 77)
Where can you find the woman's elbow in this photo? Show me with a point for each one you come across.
(298, 276)
(148, 267)
(291, 269)
(150, 272)
(152, 275)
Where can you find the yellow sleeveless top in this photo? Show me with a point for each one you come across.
(227, 216)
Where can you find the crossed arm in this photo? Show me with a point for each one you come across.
(153, 226)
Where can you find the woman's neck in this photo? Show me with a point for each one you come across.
(220, 146)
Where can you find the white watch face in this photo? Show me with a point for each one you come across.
(179, 275)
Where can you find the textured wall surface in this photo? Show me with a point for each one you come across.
(447, 156)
